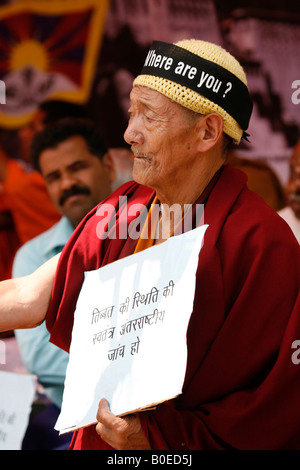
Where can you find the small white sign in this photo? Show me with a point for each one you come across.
(129, 334)
(17, 393)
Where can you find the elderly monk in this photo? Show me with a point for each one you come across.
(241, 387)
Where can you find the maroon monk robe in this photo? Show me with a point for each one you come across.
(241, 389)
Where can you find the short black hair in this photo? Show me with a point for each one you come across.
(54, 134)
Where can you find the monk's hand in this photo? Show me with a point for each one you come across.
(121, 433)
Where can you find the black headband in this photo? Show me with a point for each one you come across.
(203, 76)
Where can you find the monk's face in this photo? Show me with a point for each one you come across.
(161, 134)
(76, 179)
(293, 188)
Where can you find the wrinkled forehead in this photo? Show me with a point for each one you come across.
(154, 100)
(146, 94)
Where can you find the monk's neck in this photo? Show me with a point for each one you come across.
(187, 191)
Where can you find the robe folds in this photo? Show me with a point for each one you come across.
(241, 388)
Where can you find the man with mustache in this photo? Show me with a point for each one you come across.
(78, 171)
(291, 213)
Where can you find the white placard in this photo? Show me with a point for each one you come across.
(17, 392)
(129, 334)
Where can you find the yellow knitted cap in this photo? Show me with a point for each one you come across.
(219, 77)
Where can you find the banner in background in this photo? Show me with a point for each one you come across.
(48, 50)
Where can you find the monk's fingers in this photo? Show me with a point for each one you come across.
(104, 415)
(115, 433)
(121, 433)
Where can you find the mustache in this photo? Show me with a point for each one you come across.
(140, 154)
(74, 191)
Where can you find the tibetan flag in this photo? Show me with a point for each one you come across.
(48, 50)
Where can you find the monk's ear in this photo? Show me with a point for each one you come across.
(211, 130)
